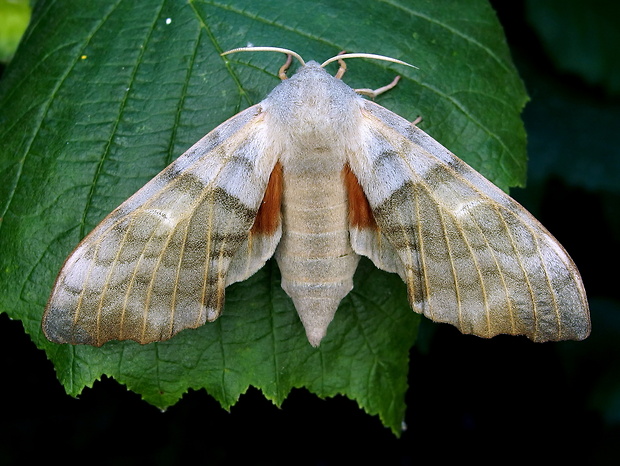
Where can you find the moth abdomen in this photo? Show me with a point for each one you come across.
(314, 254)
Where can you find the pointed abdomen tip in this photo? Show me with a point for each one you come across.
(315, 338)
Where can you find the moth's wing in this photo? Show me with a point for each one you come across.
(469, 254)
(159, 263)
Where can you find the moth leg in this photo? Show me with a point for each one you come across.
(374, 93)
(284, 68)
(416, 121)
(343, 67)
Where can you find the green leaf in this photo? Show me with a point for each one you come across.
(14, 17)
(101, 98)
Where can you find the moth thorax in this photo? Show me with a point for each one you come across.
(313, 109)
(309, 147)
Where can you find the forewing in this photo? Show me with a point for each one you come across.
(469, 254)
(158, 263)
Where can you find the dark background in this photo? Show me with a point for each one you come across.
(469, 399)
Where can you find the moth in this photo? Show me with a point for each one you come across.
(316, 176)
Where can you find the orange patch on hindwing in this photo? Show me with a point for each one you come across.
(360, 214)
(268, 216)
